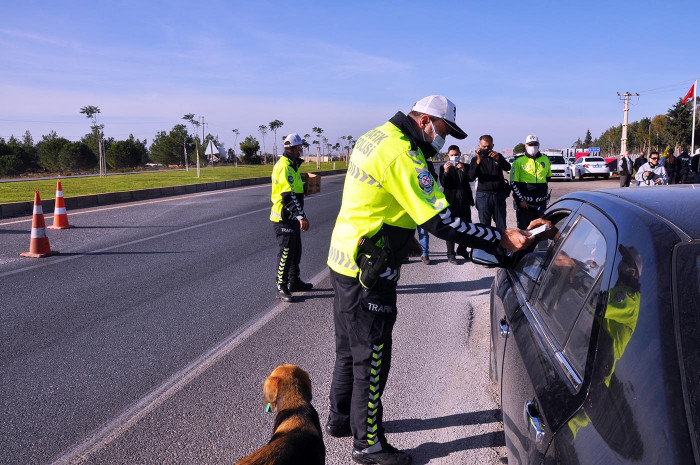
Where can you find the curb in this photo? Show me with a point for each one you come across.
(8, 210)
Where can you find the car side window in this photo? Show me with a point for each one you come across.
(570, 278)
(576, 348)
(530, 265)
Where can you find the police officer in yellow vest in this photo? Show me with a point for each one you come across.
(388, 191)
(288, 218)
(529, 177)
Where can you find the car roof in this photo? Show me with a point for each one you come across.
(678, 205)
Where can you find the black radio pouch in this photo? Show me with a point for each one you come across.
(372, 260)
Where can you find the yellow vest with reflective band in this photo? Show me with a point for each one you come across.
(284, 179)
(386, 183)
(531, 171)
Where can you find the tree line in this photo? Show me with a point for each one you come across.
(179, 147)
(663, 133)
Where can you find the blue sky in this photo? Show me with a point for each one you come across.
(512, 68)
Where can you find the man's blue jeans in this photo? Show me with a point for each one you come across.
(424, 240)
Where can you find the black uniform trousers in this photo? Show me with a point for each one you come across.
(466, 217)
(526, 215)
(289, 239)
(364, 320)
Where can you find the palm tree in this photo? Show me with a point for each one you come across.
(274, 126)
(189, 117)
(306, 139)
(263, 130)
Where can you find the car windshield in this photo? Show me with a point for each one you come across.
(595, 159)
(687, 298)
(557, 160)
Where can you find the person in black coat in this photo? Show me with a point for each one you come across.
(454, 178)
(683, 167)
(625, 169)
(492, 190)
(671, 166)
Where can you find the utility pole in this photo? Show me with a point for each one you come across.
(203, 148)
(623, 141)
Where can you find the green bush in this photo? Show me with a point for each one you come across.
(125, 154)
(76, 156)
(49, 151)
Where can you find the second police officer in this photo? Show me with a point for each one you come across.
(529, 177)
(388, 191)
(288, 218)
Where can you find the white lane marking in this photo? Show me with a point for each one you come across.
(137, 241)
(99, 438)
(169, 199)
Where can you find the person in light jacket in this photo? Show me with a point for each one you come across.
(652, 173)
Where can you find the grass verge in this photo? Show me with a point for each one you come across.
(24, 190)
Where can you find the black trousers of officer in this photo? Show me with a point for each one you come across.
(465, 216)
(526, 215)
(289, 239)
(364, 321)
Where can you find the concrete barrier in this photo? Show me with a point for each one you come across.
(11, 209)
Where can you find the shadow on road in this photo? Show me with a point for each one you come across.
(458, 419)
(480, 284)
(120, 227)
(13, 231)
(70, 254)
(424, 453)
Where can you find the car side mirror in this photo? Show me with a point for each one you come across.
(483, 258)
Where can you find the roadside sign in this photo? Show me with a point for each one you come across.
(594, 149)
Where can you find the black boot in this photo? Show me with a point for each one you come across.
(298, 285)
(389, 455)
(284, 294)
(338, 430)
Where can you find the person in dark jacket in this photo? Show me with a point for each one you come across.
(683, 167)
(694, 166)
(492, 190)
(625, 169)
(454, 178)
(671, 167)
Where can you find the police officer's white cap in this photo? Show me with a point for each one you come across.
(292, 140)
(439, 106)
(532, 139)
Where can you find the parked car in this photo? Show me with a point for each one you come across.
(560, 168)
(591, 166)
(595, 332)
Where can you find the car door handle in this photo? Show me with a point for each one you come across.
(504, 328)
(533, 421)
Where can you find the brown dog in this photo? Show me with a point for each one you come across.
(296, 436)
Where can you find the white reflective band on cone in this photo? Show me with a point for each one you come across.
(38, 233)
(59, 193)
(38, 210)
(59, 211)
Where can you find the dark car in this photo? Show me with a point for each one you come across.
(595, 333)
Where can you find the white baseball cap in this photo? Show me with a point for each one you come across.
(439, 106)
(532, 139)
(292, 140)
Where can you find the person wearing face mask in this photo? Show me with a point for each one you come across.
(652, 173)
(388, 191)
(288, 218)
(529, 178)
(492, 190)
(454, 178)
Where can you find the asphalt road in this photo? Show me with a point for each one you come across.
(148, 339)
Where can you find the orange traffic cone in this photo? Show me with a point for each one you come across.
(60, 217)
(39, 244)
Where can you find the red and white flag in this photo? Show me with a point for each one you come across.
(689, 94)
